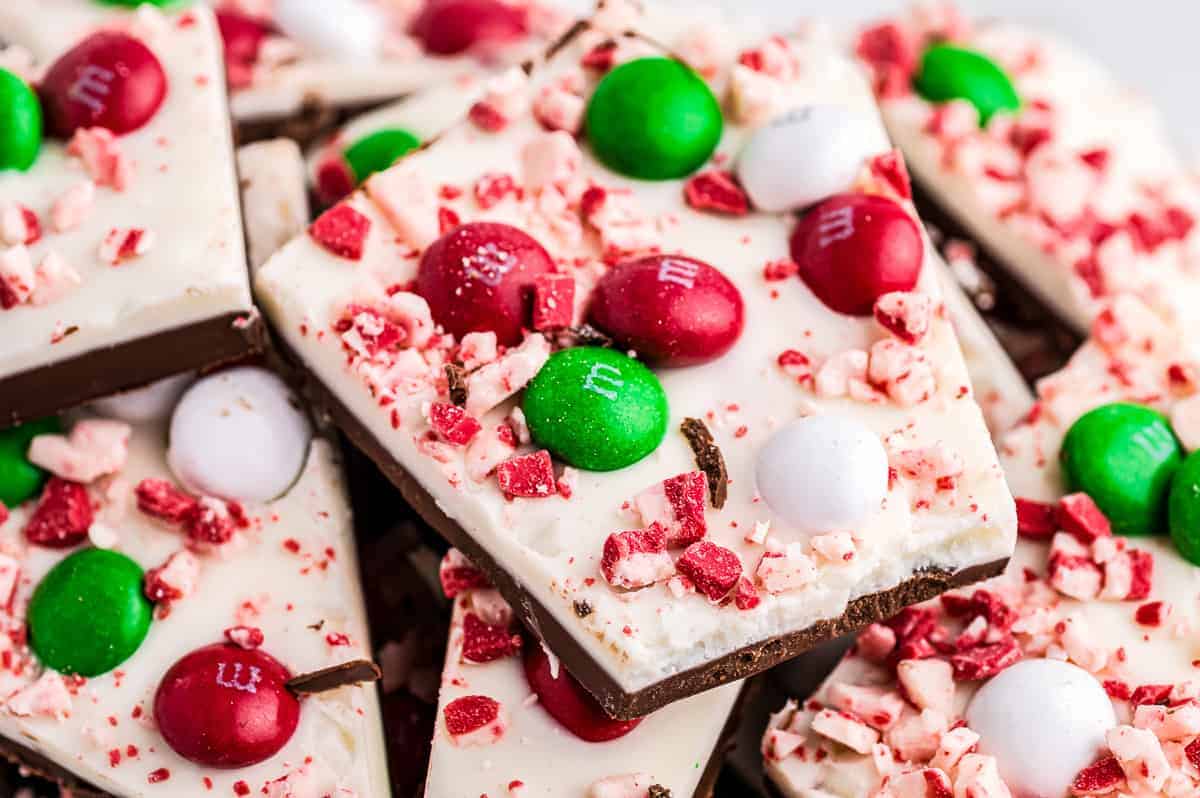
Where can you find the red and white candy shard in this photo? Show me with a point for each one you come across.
(508, 235)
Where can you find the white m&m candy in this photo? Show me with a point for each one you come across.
(823, 473)
(1043, 720)
(806, 155)
(151, 403)
(344, 30)
(239, 435)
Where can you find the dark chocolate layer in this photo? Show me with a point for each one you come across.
(48, 389)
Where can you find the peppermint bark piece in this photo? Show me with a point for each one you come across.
(108, 284)
(542, 732)
(292, 56)
(1083, 639)
(583, 487)
(1077, 192)
(148, 617)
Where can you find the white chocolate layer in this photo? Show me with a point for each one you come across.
(183, 191)
(553, 546)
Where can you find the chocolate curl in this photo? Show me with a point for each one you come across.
(708, 459)
(354, 672)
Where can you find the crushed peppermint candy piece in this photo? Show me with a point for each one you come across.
(529, 476)
(452, 424)
(484, 642)
(475, 720)
(246, 637)
(122, 244)
(636, 558)
(676, 506)
(94, 448)
(713, 569)
(458, 574)
(62, 516)
(341, 230)
(174, 580)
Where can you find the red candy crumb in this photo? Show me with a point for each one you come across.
(470, 713)
(1142, 563)
(636, 558)
(716, 191)
(713, 569)
(529, 476)
(62, 516)
(487, 117)
(483, 642)
(1036, 520)
(1152, 613)
(342, 231)
(245, 637)
(159, 498)
(156, 776)
(889, 167)
(458, 574)
(452, 424)
(1102, 776)
(553, 301)
(493, 187)
(985, 661)
(1153, 694)
(745, 597)
(1079, 515)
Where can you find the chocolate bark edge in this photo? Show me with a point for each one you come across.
(45, 390)
(739, 664)
(42, 767)
(1018, 304)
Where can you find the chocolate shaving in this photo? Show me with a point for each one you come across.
(456, 383)
(658, 791)
(580, 335)
(582, 608)
(708, 459)
(318, 626)
(358, 671)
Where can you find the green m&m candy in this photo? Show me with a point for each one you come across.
(377, 151)
(88, 614)
(20, 123)
(19, 478)
(1183, 509)
(653, 118)
(1123, 456)
(953, 73)
(596, 408)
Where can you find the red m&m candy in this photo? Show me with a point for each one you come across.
(448, 27)
(223, 706)
(672, 310)
(479, 276)
(108, 80)
(568, 703)
(854, 248)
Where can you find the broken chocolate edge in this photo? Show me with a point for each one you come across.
(344, 674)
(46, 390)
(42, 767)
(739, 664)
(456, 383)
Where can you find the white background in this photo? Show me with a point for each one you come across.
(1153, 45)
